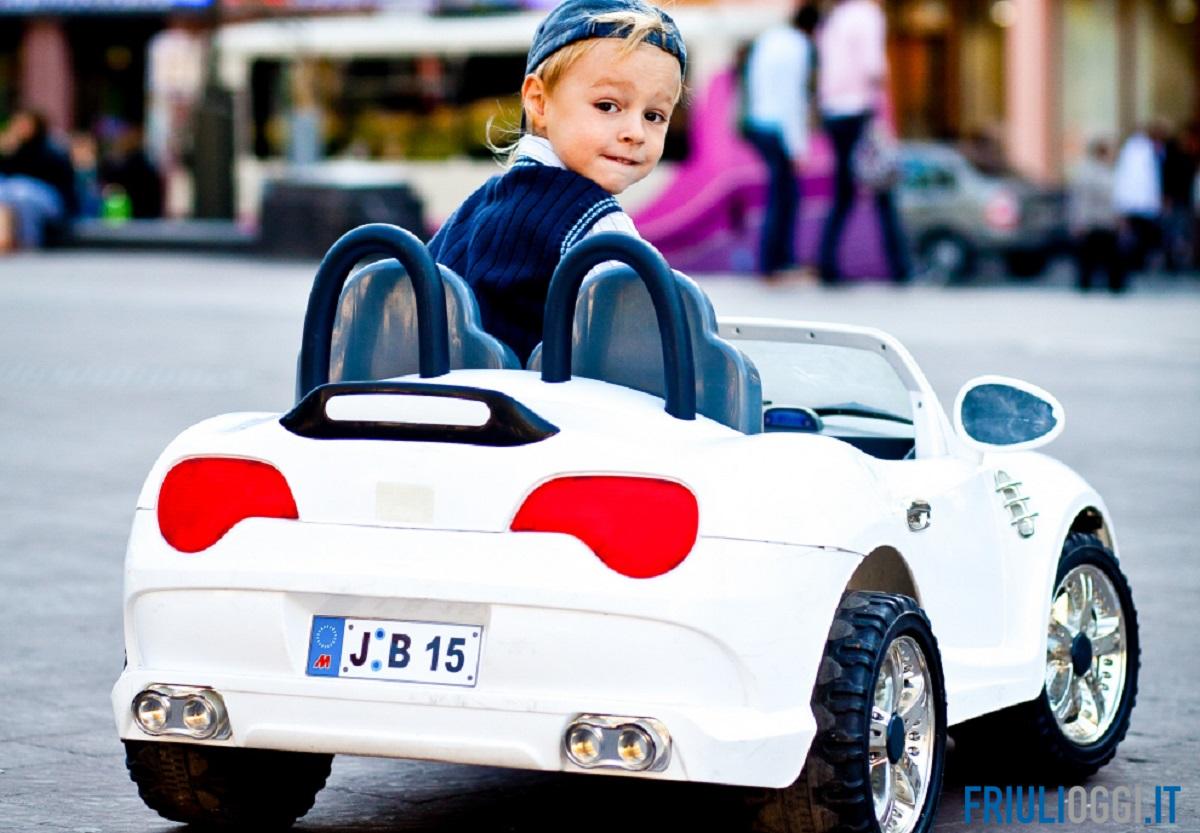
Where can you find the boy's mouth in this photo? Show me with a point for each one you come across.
(621, 160)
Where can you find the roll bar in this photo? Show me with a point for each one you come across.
(383, 240)
(679, 364)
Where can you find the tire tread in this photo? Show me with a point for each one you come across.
(221, 787)
(1033, 742)
(832, 794)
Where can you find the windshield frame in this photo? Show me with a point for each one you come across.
(931, 427)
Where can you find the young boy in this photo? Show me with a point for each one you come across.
(602, 79)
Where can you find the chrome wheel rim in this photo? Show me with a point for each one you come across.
(1085, 654)
(900, 744)
(947, 256)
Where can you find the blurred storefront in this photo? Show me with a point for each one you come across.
(425, 98)
(128, 73)
(82, 63)
(1018, 83)
(1028, 82)
(85, 64)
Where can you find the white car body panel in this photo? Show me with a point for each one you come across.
(724, 649)
(563, 635)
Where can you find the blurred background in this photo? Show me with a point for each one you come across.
(273, 125)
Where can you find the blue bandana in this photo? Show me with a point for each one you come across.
(574, 20)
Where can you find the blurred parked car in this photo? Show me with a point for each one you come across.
(957, 216)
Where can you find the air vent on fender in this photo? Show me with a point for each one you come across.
(1015, 503)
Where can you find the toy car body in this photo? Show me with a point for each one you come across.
(546, 571)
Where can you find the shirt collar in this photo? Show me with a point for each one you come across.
(539, 150)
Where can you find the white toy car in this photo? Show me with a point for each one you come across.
(795, 582)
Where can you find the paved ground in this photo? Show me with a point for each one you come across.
(104, 358)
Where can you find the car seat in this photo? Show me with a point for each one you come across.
(375, 332)
(616, 339)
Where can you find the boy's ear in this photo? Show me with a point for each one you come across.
(533, 100)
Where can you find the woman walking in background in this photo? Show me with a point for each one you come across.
(853, 66)
(775, 120)
(1138, 195)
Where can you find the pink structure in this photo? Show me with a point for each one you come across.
(707, 218)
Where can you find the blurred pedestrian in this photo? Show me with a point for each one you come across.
(775, 121)
(850, 86)
(602, 80)
(37, 182)
(1181, 162)
(85, 159)
(1093, 218)
(129, 167)
(1138, 196)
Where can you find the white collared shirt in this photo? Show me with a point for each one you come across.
(540, 150)
(1137, 188)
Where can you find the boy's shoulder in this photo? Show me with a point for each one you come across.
(559, 190)
(531, 202)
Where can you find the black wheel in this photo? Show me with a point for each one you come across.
(1026, 263)
(1092, 658)
(876, 763)
(226, 787)
(945, 257)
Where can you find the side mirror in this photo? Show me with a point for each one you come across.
(996, 413)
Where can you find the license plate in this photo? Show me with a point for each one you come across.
(387, 649)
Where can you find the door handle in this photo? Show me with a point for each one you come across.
(918, 515)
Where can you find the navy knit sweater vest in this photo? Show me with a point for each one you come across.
(508, 237)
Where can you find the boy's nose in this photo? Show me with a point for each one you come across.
(632, 130)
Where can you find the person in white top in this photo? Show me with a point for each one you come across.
(852, 59)
(775, 120)
(1137, 194)
(1138, 187)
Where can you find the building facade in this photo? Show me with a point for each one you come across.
(1023, 83)
(1039, 78)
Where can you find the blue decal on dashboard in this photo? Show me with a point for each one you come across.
(325, 646)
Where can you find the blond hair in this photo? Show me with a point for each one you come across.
(636, 28)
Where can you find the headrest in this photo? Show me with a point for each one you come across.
(616, 339)
(375, 333)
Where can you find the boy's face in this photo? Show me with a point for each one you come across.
(606, 118)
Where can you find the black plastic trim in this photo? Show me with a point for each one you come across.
(679, 363)
(509, 424)
(374, 240)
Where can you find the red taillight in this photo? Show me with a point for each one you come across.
(638, 526)
(1003, 211)
(201, 499)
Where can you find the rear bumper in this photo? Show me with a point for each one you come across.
(723, 650)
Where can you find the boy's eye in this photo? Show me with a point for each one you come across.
(656, 118)
(606, 106)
